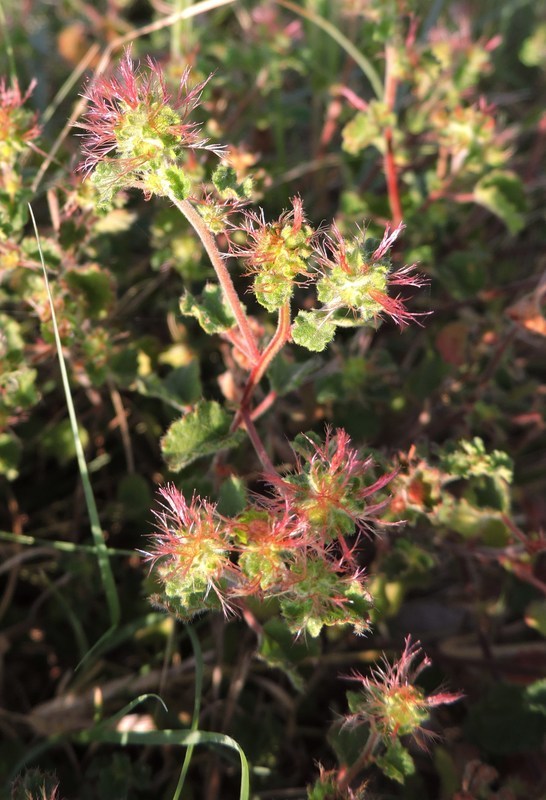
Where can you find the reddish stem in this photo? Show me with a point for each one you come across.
(279, 339)
(224, 278)
(266, 403)
(348, 775)
(233, 337)
(391, 174)
(257, 443)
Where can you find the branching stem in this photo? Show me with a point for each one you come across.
(279, 339)
(364, 760)
(224, 278)
(257, 443)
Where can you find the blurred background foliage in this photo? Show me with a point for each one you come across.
(320, 99)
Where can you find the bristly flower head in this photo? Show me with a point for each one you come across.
(137, 132)
(18, 128)
(391, 704)
(328, 488)
(356, 276)
(266, 543)
(321, 591)
(191, 553)
(276, 253)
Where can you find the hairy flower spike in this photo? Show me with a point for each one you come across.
(391, 704)
(355, 279)
(192, 554)
(328, 488)
(18, 128)
(276, 253)
(318, 593)
(137, 133)
(267, 543)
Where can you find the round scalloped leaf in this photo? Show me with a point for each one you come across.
(201, 432)
(210, 310)
(313, 330)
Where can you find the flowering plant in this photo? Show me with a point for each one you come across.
(291, 545)
(321, 473)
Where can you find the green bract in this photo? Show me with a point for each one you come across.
(146, 132)
(319, 596)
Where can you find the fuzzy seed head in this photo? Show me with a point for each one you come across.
(276, 253)
(356, 275)
(136, 132)
(191, 551)
(390, 702)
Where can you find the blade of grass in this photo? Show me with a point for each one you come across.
(101, 550)
(196, 707)
(192, 738)
(104, 734)
(56, 739)
(123, 634)
(170, 737)
(66, 547)
(359, 58)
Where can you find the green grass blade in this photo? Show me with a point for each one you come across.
(123, 633)
(169, 737)
(101, 550)
(64, 547)
(196, 708)
(359, 58)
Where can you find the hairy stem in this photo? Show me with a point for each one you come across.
(222, 273)
(278, 340)
(364, 760)
(257, 443)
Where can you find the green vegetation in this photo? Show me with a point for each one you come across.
(272, 424)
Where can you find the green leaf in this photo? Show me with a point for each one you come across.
(135, 497)
(202, 432)
(232, 497)
(18, 388)
(94, 288)
(280, 650)
(536, 696)
(225, 181)
(313, 330)
(348, 741)
(286, 376)
(501, 192)
(12, 342)
(464, 518)
(367, 128)
(178, 182)
(184, 383)
(535, 613)
(396, 763)
(471, 459)
(58, 442)
(10, 455)
(210, 310)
